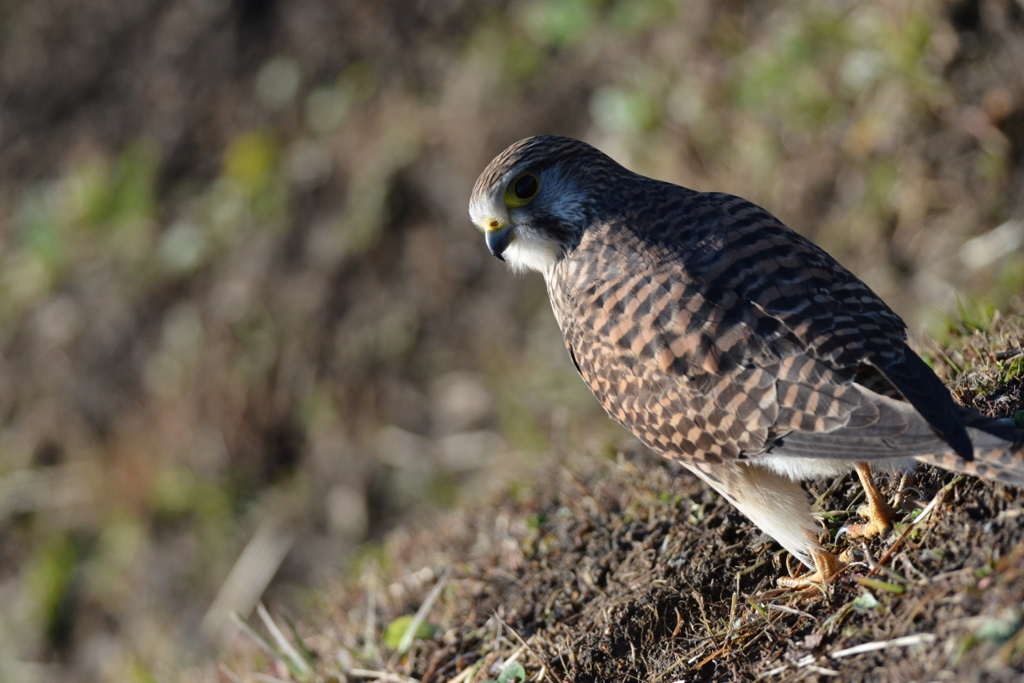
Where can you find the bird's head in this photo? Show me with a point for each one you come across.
(535, 200)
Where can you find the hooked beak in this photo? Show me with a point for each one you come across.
(498, 240)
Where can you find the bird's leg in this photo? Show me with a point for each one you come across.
(826, 567)
(877, 511)
(776, 504)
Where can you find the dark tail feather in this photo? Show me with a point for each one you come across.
(998, 450)
(926, 392)
(999, 428)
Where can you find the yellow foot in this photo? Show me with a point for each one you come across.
(879, 521)
(826, 567)
(877, 511)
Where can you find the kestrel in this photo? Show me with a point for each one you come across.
(726, 341)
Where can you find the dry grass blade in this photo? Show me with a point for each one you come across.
(267, 678)
(805, 663)
(467, 674)
(421, 614)
(773, 672)
(788, 610)
(282, 643)
(250, 575)
(380, 676)
(371, 652)
(525, 646)
(264, 644)
(905, 641)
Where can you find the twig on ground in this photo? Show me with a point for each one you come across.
(905, 641)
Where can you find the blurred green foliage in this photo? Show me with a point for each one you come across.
(222, 308)
(396, 630)
(49, 577)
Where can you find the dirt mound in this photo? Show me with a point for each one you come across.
(629, 569)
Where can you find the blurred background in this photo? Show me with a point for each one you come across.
(246, 326)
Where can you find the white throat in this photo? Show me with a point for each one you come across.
(531, 253)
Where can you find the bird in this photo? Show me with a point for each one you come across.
(726, 341)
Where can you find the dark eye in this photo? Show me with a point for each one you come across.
(525, 186)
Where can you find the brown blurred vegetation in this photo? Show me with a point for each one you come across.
(242, 308)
